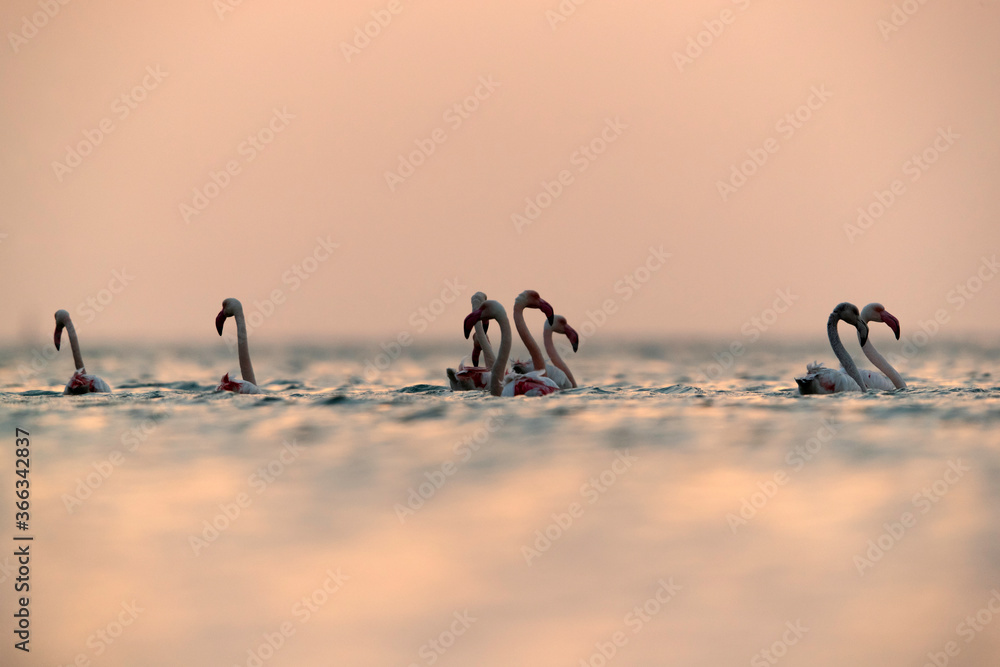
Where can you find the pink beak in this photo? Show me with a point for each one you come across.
(220, 319)
(58, 335)
(544, 306)
(471, 319)
(892, 322)
(574, 338)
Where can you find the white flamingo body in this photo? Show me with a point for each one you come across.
(248, 385)
(875, 380)
(821, 380)
(535, 383)
(81, 382)
(237, 386)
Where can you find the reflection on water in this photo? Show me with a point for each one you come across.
(652, 517)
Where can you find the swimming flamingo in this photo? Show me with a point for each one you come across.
(822, 380)
(558, 370)
(248, 385)
(875, 312)
(81, 382)
(512, 384)
(474, 377)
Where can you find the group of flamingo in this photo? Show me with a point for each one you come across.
(537, 377)
(529, 378)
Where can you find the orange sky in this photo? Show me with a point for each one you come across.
(308, 129)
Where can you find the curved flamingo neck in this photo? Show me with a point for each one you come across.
(75, 346)
(500, 363)
(537, 360)
(484, 344)
(557, 361)
(880, 363)
(838, 349)
(246, 368)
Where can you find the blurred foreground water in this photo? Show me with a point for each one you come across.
(665, 513)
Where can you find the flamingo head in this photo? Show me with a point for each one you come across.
(848, 312)
(62, 319)
(876, 312)
(530, 299)
(472, 318)
(490, 310)
(478, 299)
(560, 325)
(230, 307)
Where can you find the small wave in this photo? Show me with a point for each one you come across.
(678, 389)
(422, 389)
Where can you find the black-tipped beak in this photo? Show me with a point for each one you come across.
(220, 319)
(862, 333)
(476, 351)
(547, 309)
(574, 338)
(58, 335)
(892, 322)
(471, 319)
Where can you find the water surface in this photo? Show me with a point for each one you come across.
(653, 516)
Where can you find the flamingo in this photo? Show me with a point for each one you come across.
(81, 382)
(822, 380)
(558, 370)
(248, 385)
(512, 384)
(474, 377)
(876, 312)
